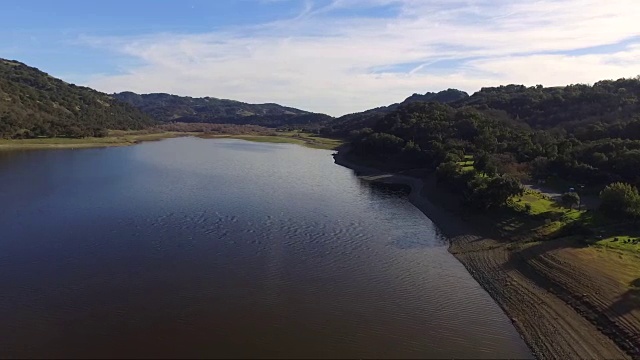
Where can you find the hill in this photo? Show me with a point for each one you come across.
(580, 109)
(368, 118)
(34, 104)
(173, 108)
(445, 97)
(580, 134)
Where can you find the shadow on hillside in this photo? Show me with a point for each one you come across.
(598, 314)
(628, 301)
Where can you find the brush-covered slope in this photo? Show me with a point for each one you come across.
(33, 103)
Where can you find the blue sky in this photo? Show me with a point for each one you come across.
(332, 56)
(47, 33)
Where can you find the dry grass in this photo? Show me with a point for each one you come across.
(125, 138)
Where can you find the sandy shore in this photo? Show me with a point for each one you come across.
(550, 323)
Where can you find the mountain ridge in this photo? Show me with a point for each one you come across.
(174, 108)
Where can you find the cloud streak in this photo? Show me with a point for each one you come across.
(324, 61)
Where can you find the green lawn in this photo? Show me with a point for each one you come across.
(542, 216)
(467, 164)
(625, 242)
(542, 204)
(546, 217)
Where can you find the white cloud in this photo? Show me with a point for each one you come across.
(328, 63)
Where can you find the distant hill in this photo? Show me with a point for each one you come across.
(32, 103)
(582, 134)
(368, 118)
(173, 108)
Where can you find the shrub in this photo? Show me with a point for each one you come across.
(620, 199)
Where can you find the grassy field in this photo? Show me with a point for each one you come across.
(467, 164)
(624, 242)
(623, 236)
(119, 138)
(534, 216)
(125, 138)
(544, 217)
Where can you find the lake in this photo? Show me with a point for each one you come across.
(227, 248)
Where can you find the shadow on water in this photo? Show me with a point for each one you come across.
(379, 188)
(408, 240)
(417, 243)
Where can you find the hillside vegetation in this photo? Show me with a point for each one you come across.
(172, 108)
(583, 135)
(344, 124)
(34, 104)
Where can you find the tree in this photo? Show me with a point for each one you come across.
(528, 208)
(452, 157)
(502, 188)
(381, 143)
(490, 169)
(481, 161)
(570, 199)
(620, 199)
(540, 167)
(485, 164)
(447, 172)
(485, 193)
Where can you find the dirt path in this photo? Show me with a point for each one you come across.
(595, 282)
(551, 327)
(549, 323)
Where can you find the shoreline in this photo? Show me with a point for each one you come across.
(549, 324)
(85, 143)
(137, 138)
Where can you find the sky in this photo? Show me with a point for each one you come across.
(329, 56)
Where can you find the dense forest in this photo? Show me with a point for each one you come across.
(172, 108)
(34, 104)
(586, 135)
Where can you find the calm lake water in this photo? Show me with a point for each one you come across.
(227, 248)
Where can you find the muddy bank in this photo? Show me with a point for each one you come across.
(550, 325)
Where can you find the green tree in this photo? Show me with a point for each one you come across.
(448, 171)
(570, 199)
(540, 167)
(502, 188)
(481, 161)
(485, 193)
(452, 157)
(528, 208)
(381, 143)
(621, 199)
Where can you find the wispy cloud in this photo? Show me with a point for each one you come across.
(325, 62)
